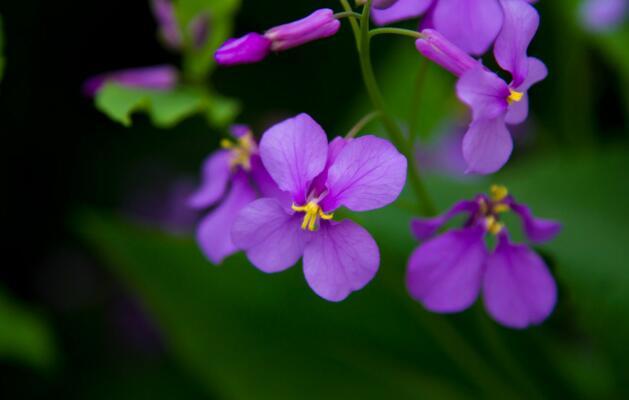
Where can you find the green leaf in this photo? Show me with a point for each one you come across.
(24, 336)
(165, 108)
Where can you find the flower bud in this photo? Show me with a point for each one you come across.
(247, 49)
(318, 25)
(438, 49)
(161, 77)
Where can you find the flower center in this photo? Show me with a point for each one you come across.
(514, 96)
(313, 213)
(491, 210)
(241, 151)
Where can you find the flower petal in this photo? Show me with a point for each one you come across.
(521, 21)
(213, 231)
(487, 146)
(265, 185)
(518, 289)
(518, 111)
(425, 228)
(248, 49)
(214, 177)
(271, 237)
(341, 258)
(401, 10)
(537, 230)
(445, 273)
(470, 24)
(368, 173)
(334, 149)
(484, 92)
(537, 72)
(294, 152)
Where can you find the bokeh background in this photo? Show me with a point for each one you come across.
(104, 294)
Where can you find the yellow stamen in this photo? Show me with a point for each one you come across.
(313, 212)
(501, 208)
(498, 192)
(514, 96)
(492, 225)
(241, 151)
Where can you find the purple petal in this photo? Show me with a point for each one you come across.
(341, 258)
(334, 149)
(369, 173)
(445, 273)
(487, 145)
(265, 184)
(248, 49)
(537, 230)
(213, 233)
(438, 49)
(199, 29)
(603, 15)
(520, 24)
(470, 24)
(518, 111)
(239, 130)
(271, 237)
(318, 25)
(382, 4)
(161, 77)
(164, 14)
(215, 175)
(484, 92)
(518, 289)
(294, 152)
(537, 72)
(401, 10)
(425, 228)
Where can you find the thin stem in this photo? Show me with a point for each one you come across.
(413, 117)
(395, 31)
(361, 124)
(346, 14)
(353, 21)
(396, 135)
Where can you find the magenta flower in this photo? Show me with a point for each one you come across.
(448, 271)
(161, 77)
(253, 47)
(472, 25)
(169, 30)
(231, 178)
(487, 145)
(603, 15)
(359, 174)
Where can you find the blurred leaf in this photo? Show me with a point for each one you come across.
(165, 108)
(246, 334)
(24, 336)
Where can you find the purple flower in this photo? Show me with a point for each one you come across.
(254, 47)
(602, 15)
(169, 31)
(448, 271)
(359, 174)
(161, 77)
(471, 25)
(231, 178)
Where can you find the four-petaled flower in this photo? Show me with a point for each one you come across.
(359, 174)
(446, 273)
(237, 166)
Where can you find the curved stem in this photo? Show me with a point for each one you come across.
(395, 31)
(396, 135)
(346, 14)
(361, 123)
(353, 21)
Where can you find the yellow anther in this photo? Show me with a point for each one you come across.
(514, 96)
(501, 208)
(241, 151)
(492, 225)
(498, 192)
(313, 212)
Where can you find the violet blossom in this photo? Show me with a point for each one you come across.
(487, 145)
(254, 47)
(472, 25)
(232, 177)
(448, 271)
(602, 15)
(360, 174)
(160, 77)
(170, 30)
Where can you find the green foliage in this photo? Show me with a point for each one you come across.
(165, 108)
(24, 336)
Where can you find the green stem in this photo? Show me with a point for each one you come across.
(395, 31)
(353, 21)
(396, 135)
(413, 117)
(361, 124)
(346, 14)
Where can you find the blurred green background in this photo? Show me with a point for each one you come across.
(104, 294)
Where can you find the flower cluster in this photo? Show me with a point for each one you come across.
(446, 273)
